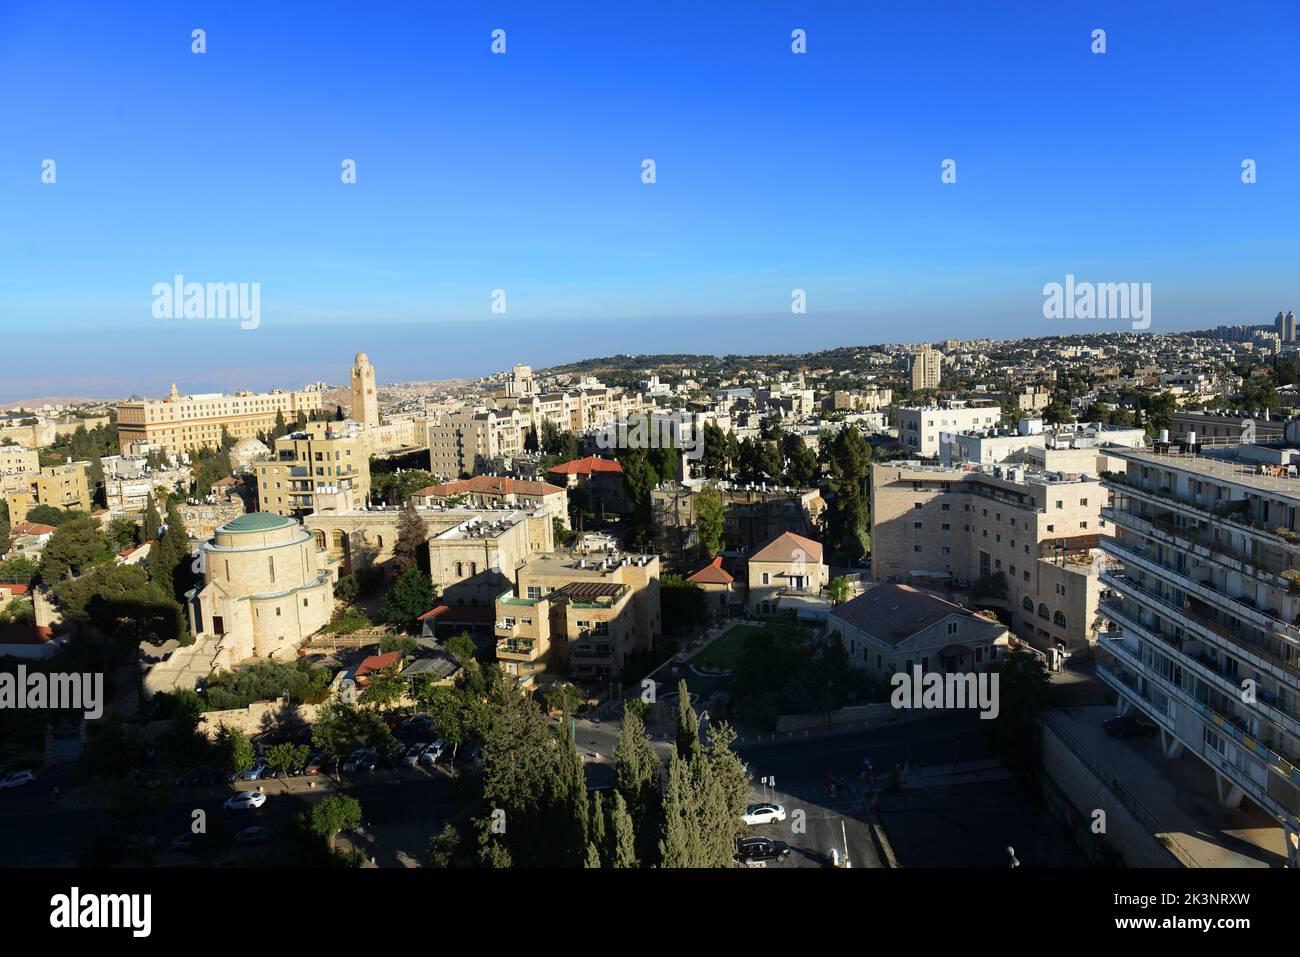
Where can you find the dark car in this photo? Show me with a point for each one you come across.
(761, 849)
(1129, 726)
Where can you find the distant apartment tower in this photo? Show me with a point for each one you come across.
(1206, 607)
(469, 441)
(521, 382)
(365, 400)
(926, 368)
(1286, 326)
(182, 423)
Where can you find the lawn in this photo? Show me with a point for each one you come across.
(725, 652)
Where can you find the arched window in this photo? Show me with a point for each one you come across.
(1028, 603)
(1059, 619)
(460, 570)
(1043, 612)
(473, 569)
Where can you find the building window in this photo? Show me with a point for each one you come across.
(270, 563)
(1059, 619)
(1043, 612)
(1028, 603)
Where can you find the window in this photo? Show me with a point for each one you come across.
(1059, 619)
(1042, 612)
(918, 505)
(767, 579)
(952, 627)
(270, 563)
(918, 525)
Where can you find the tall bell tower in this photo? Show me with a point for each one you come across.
(365, 401)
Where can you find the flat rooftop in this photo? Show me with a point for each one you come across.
(1240, 471)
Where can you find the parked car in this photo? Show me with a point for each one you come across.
(765, 813)
(417, 721)
(256, 771)
(413, 754)
(213, 776)
(363, 759)
(245, 801)
(192, 777)
(1129, 726)
(183, 842)
(315, 764)
(253, 836)
(16, 779)
(761, 849)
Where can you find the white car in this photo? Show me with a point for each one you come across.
(763, 814)
(17, 779)
(245, 801)
(412, 756)
(432, 752)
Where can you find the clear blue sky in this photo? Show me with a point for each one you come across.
(522, 172)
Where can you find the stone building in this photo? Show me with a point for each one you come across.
(266, 588)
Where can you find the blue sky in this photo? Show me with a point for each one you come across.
(522, 172)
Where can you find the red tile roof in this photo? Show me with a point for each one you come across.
(588, 466)
(461, 613)
(378, 662)
(15, 589)
(33, 528)
(713, 574)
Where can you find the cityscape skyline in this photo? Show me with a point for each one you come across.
(774, 173)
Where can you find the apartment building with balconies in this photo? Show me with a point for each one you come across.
(1206, 608)
(576, 616)
(324, 469)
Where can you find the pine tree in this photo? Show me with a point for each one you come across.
(688, 728)
(622, 835)
(593, 856)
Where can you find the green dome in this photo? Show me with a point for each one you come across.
(256, 522)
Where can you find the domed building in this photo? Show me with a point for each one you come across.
(266, 588)
(245, 451)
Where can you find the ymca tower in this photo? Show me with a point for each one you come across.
(365, 402)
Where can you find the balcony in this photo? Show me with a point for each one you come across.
(515, 647)
(1236, 641)
(1203, 542)
(1241, 606)
(1230, 511)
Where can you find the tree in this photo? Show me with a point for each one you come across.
(683, 604)
(411, 548)
(384, 689)
(709, 520)
(564, 697)
(283, 758)
(234, 750)
(800, 461)
(462, 646)
(677, 834)
(73, 549)
(123, 533)
(688, 728)
(339, 812)
(636, 779)
(410, 597)
(838, 589)
(18, 571)
(152, 520)
(622, 837)
(5, 527)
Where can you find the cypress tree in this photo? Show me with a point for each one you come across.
(593, 857)
(152, 521)
(622, 837)
(637, 774)
(678, 841)
(596, 824)
(688, 728)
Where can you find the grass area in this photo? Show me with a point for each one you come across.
(725, 652)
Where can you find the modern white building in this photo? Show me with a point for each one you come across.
(1206, 607)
